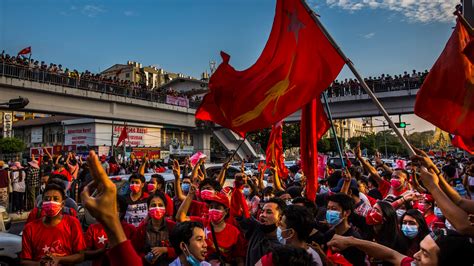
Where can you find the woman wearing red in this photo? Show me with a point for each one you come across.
(151, 240)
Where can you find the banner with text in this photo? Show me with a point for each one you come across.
(180, 101)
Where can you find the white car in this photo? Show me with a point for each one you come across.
(10, 247)
(214, 169)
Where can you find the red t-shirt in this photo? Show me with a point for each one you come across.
(61, 240)
(431, 219)
(384, 188)
(169, 206)
(96, 238)
(231, 242)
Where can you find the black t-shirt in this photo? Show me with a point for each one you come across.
(352, 254)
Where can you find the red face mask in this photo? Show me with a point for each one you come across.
(51, 208)
(207, 194)
(150, 187)
(135, 188)
(420, 206)
(215, 215)
(395, 183)
(157, 212)
(373, 218)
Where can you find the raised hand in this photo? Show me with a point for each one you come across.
(428, 177)
(422, 158)
(357, 151)
(176, 169)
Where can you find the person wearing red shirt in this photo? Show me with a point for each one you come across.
(56, 238)
(151, 239)
(157, 183)
(182, 188)
(426, 207)
(398, 183)
(137, 208)
(96, 238)
(230, 242)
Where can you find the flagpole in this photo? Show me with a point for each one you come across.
(360, 79)
(238, 147)
(333, 129)
(466, 24)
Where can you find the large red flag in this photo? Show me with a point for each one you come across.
(446, 98)
(123, 136)
(314, 124)
(459, 142)
(296, 65)
(26, 50)
(274, 153)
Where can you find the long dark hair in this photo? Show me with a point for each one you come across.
(423, 229)
(390, 234)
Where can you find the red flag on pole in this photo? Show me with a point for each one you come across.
(274, 151)
(123, 136)
(296, 65)
(26, 50)
(314, 124)
(446, 98)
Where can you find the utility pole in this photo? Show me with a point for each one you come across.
(112, 139)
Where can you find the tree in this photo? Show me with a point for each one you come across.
(324, 145)
(11, 145)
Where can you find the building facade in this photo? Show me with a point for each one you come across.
(151, 76)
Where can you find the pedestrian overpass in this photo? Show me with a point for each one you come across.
(66, 96)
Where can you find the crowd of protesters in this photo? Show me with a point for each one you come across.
(383, 83)
(27, 68)
(365, 214)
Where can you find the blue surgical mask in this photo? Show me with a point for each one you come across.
(400, 213)
(410, 231)
(191, 259)
(280, 238)
(437, 212)
(185, 187)
(246, 191)
(333, 217)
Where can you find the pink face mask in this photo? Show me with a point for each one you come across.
(151, 187)
(51, 208)
(206, 194)
(215, 215)
(135, 188)
(157, 212)
(395, 183)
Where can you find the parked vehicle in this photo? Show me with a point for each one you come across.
(214, 169)
(10, 246)
(6, 219)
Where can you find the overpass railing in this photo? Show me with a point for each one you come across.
(354, 88)
(44, 76)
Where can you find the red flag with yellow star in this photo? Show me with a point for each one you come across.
(296, 65)
(274, 152)
(446, 98)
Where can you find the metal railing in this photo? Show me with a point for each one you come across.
(73, 80)
(377, 86)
